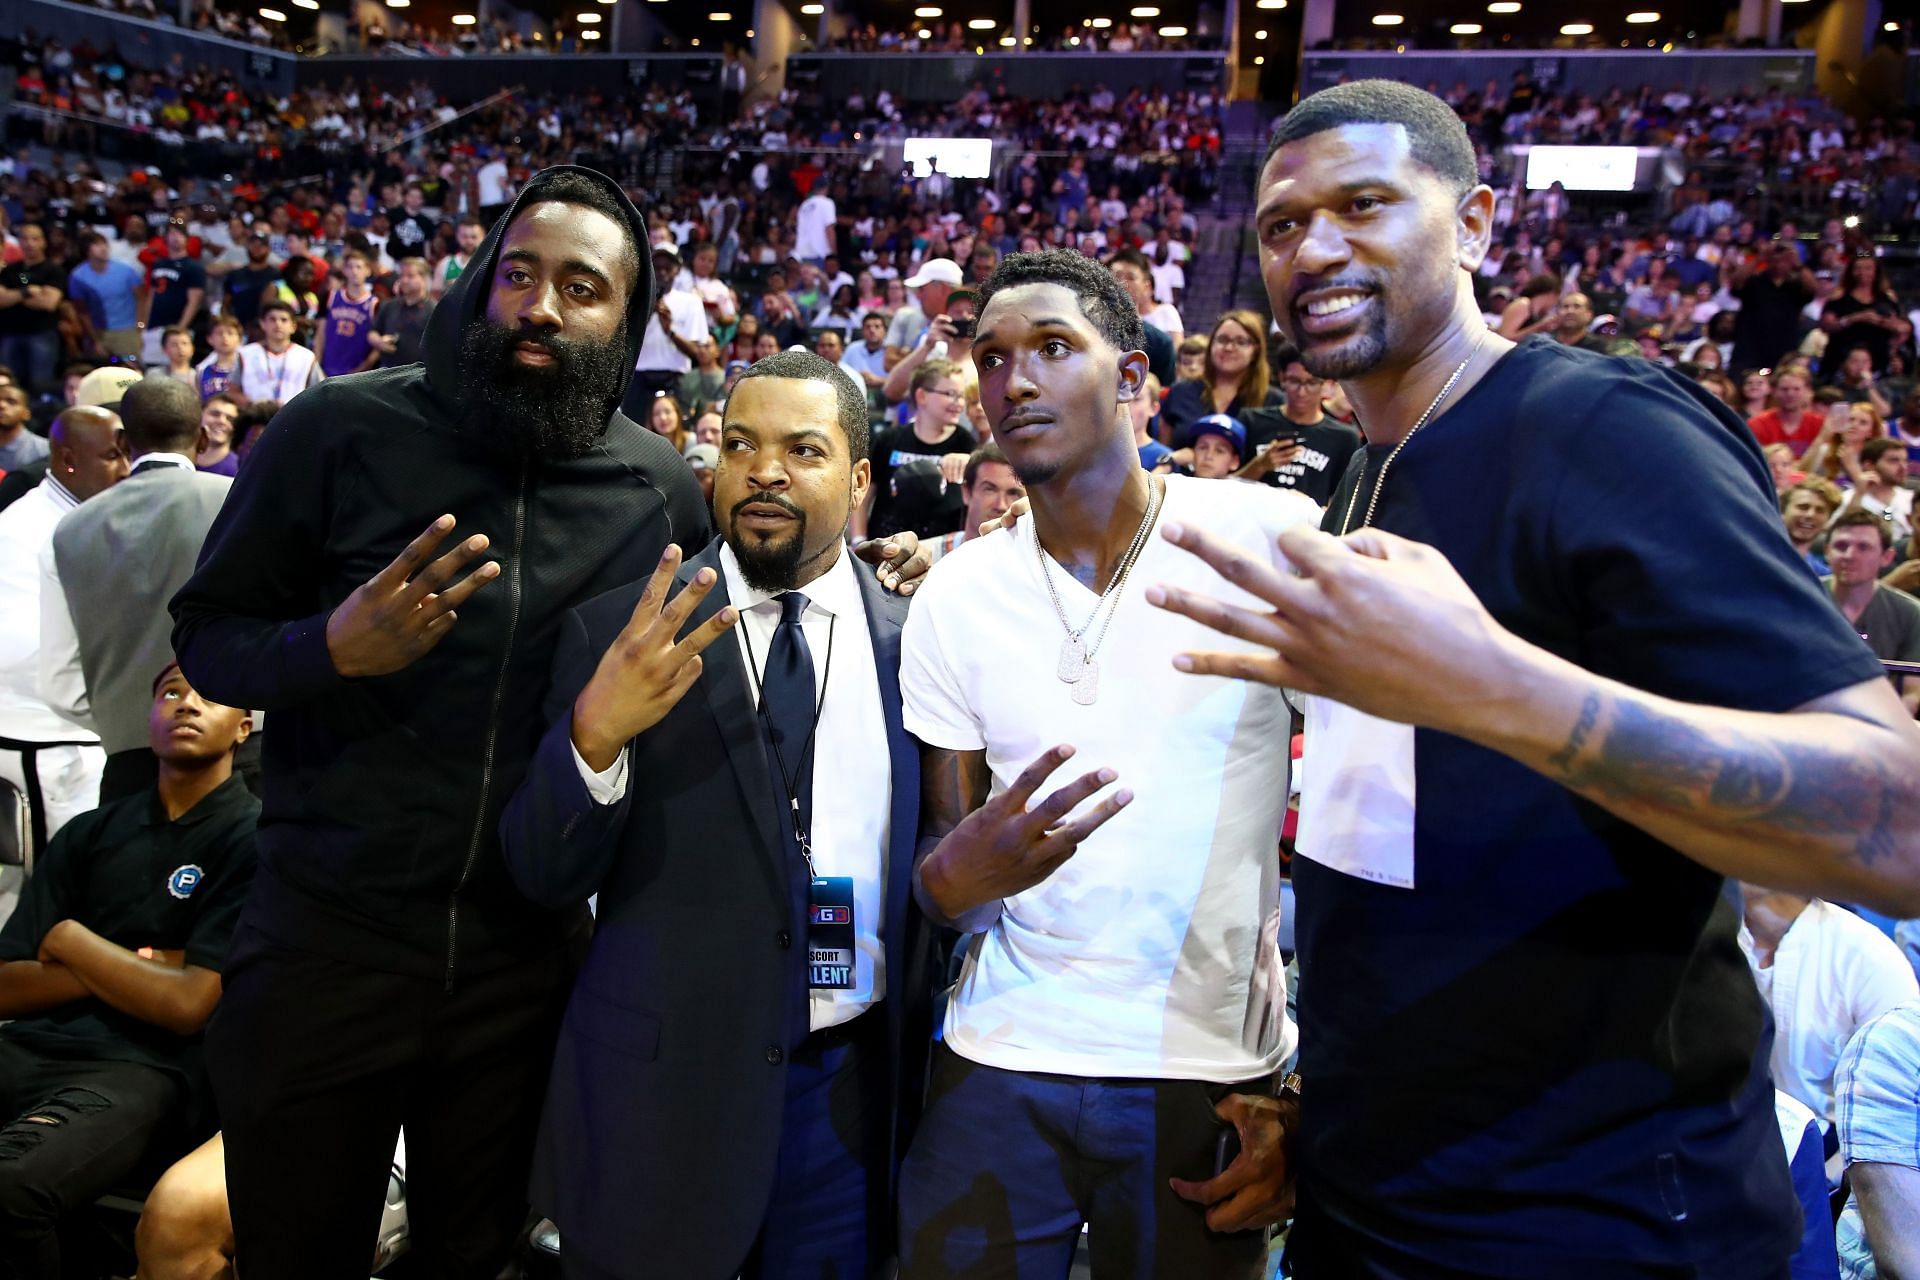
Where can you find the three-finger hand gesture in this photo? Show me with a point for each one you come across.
(398, 615)
(1004, 847)
(649, 667)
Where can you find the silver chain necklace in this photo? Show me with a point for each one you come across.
(1076, 666)
(1347, 522)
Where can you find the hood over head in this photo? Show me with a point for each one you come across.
(467, 298)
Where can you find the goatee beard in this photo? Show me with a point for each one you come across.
(770, 566)
(557, 411)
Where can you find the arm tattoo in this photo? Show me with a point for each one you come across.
(952, 785)
(1767, 784)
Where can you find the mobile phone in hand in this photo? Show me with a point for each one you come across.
(1226, 1149)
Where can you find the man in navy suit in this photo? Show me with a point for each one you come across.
(743, 1053)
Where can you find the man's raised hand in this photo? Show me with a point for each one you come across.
(398, 615)
(1003, 847)
(649, 667)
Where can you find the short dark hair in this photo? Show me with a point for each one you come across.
(805, 366)
(988, 452)
(160, 412)
(1435, 136)
(1102, 301)
(1133, 258)
(1861, 518)
(1879, 447)
(275, 304)
(1829, 396)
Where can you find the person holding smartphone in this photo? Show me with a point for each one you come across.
(1295, 445)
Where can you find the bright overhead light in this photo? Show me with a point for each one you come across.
(398, 4)
(306, 4)
(589, 35)
(463, 19)
(1099, 24)
(1145, 11)
(927, 11)
(586, 19)
(1387, 19)
(1173, 33)
(981, 24)
(924, 34)
(273, 15)
(1271, 4)
(1260, 62)
(1466, 28)
(1640, 19)
(719, 17)
(1504, 6)
(1891, 26)
(1074, 41)
(1007, 42)
(813, 10)
(1577, 29)
(1260, 34)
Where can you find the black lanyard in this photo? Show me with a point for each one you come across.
(790, 782)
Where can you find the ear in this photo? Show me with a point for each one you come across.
(1133, 375)
(861, 480)
(1473, 228)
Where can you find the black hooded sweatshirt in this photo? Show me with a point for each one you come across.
(377, 837)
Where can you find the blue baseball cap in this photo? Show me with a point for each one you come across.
(1228, 429)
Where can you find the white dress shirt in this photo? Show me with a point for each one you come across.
(62, 682)
(26, 530)
(852, 776)
(1831, 974)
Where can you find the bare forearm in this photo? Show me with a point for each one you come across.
(1824, 800)
(174, 999)
(953, 784)
(28, 987)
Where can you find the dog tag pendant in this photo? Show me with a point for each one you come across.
(1087, 687)
(1073, 659)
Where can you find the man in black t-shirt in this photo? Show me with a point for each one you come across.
(934, 432)
(1296, 446)
(30, 294)
(176, 286)
(1768, 324)
(246, 287)
(1565, 678)
(412, 225)
(109, 968)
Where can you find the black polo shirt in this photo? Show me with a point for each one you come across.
(138, 880)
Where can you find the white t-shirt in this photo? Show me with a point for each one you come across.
(657, 352)
(1831, 975)
(492, 181)
(261, 375)
(1166, 318)
(813, 229)
(1152, 952)
(1167, 277)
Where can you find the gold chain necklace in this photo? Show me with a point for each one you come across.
(1346, 522)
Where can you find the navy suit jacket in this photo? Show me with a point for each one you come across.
(657, 1146)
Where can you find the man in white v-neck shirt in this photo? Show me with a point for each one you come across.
(1122, 1002)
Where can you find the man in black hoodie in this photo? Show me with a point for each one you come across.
(386, 971)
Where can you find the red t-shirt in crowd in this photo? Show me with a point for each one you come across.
(1770, 428)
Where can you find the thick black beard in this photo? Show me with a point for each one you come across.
(556, 413)
(769, 566)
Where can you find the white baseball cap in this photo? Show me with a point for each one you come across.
(943, 270)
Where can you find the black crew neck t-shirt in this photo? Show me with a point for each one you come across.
(894, 447)
(1547, 1056)
(1327, 447)
(138, 880)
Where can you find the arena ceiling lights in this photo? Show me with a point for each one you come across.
(1504, 6)
(1643, 18)
(462, 19)
(1466, 28)
(1172, 33)
(586, 19)
(306, 4)
(1145, 11)
(1577, 29)
(982, 24)
(1271, 4)
(1388, 19)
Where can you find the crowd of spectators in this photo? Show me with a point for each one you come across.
(1107, 36)
(782, 225)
